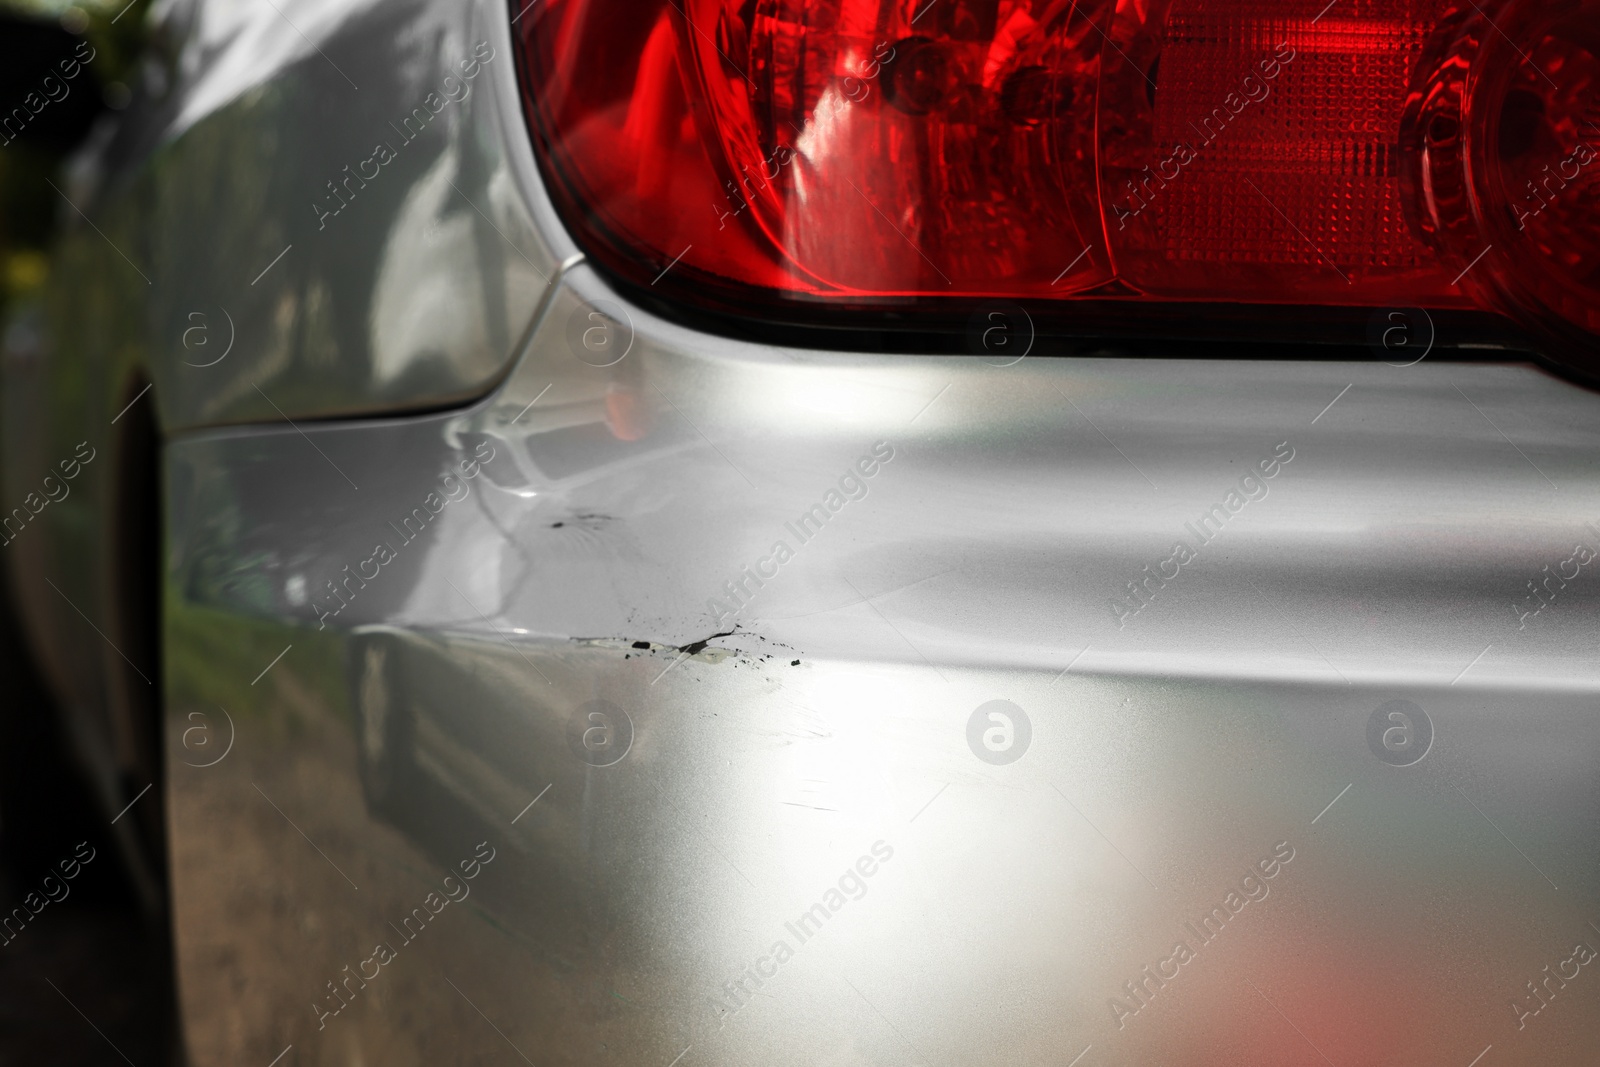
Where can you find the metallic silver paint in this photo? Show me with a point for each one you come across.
(410, 297)
(1171, 756)
(201, 201)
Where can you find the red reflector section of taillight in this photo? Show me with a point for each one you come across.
(1276, 137)
(869, 153)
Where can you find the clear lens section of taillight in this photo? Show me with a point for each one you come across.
(882, 148)
(871, 153)
(1532, 130)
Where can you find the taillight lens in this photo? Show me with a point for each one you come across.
(1507, 161)
(880, 153)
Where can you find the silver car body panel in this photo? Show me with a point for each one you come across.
(194, 261)
(338, 196)
(1224, 724)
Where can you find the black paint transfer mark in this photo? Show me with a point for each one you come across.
(700, 646)
(642, 646)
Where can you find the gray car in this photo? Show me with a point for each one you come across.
(836, 532)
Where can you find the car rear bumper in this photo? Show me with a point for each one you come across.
(405, 630)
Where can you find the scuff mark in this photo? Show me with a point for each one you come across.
(591, 520)
(697, 647)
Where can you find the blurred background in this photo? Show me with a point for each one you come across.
(85, 982)
(35, 35)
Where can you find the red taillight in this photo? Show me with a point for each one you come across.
(1507, 163)
(867, 153)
